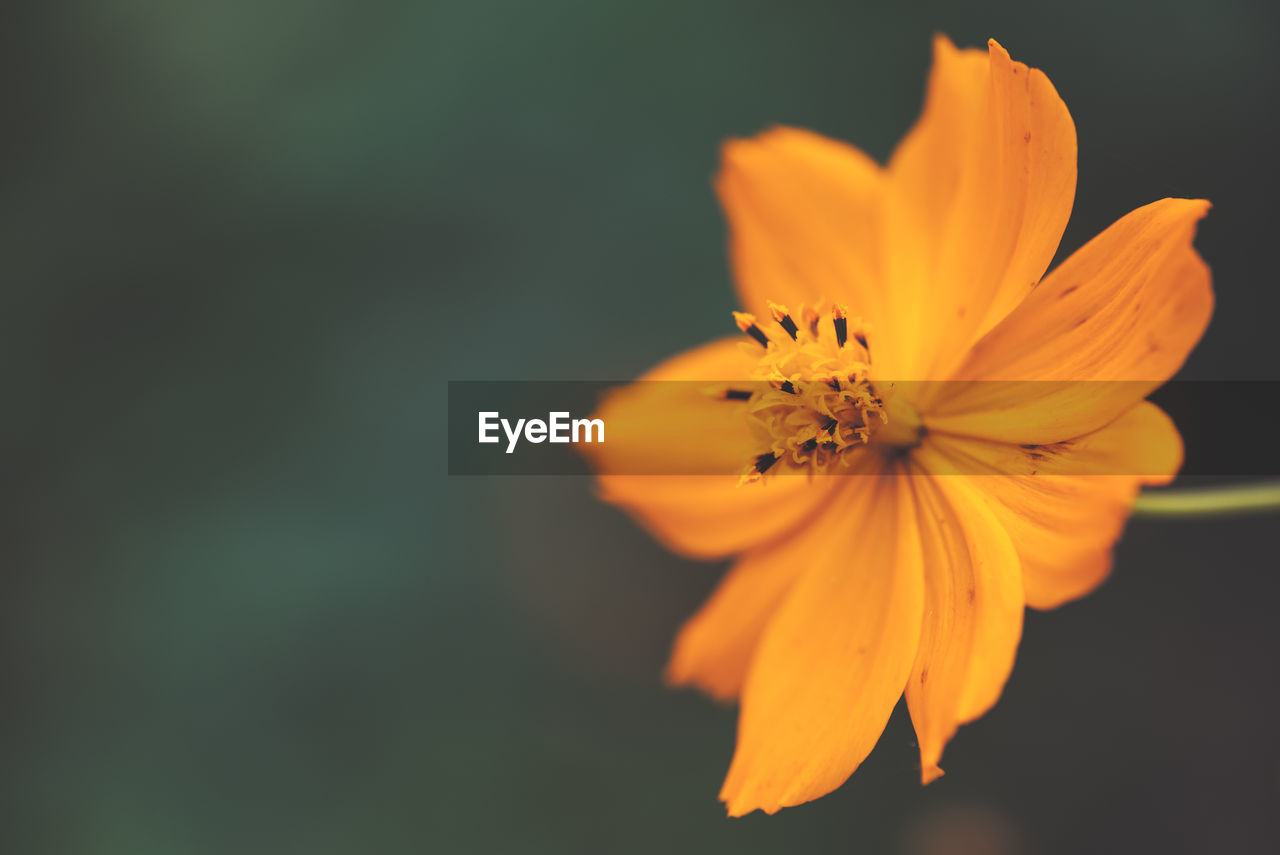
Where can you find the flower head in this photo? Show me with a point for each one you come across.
(863, 287)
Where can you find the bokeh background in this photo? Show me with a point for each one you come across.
(242, 607)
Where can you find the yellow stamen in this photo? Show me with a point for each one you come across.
(816, 406)
(747, 323)
(783, 317)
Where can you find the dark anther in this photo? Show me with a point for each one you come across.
(764, 461)
(789, 325)
(834, 383)
(788, 388)
(737, 395)
(842, 330)
(758, 334)
(830, 424)
(809, 445)
(862, 340)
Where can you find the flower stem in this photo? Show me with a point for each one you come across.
(1210, 502)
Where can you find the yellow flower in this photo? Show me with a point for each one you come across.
(851, 591)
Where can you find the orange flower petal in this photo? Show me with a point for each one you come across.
(835, 657)
(973, 613)
(713, 649)
(1064, 526)
(711, 516)
(981, 190)
(676, 427)
(804, 220)
(1113, 322)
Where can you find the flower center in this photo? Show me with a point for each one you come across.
(814, 407)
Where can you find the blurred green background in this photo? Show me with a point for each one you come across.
(244, 245)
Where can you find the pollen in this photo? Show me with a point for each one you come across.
(812, 405)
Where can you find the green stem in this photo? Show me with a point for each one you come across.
(1210, 502)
